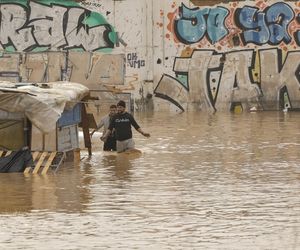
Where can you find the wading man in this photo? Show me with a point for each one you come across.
(121, 124)
(110, 141)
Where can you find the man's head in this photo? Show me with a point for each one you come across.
(112, 110)
(121, 105)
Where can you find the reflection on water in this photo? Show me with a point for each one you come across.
(204, 181)
(45, 192)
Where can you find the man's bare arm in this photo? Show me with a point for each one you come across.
(104, 137)
(143, 133)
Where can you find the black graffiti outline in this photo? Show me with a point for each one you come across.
(209, 70)
(27, 24)
(205, 17)
(264, 13)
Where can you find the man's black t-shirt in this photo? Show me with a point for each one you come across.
(122, 125)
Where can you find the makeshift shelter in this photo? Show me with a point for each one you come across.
(43, 117)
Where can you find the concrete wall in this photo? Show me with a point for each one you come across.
(167, 54)
(239, 54)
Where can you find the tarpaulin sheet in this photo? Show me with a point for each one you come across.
(16, 161)
(42, 106)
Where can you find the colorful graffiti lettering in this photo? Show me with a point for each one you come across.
(193, 24)
(269, 26)
(257, 25)
(49, 25)
(249, 76)
(218, 81)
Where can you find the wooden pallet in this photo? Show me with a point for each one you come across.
(4, 153)
(42, 161)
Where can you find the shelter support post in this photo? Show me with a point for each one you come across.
(85, 129)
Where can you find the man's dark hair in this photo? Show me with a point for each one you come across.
(113, 106)
(121, 103)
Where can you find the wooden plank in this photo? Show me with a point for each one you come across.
(62, 157)
(27, 170)
(48, 163)
(34, 156)
(85, 129)
(39, 163)
(7, 153)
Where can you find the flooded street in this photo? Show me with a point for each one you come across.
(204, 181)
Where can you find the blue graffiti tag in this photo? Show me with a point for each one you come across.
(193, 24)
(216, 29)
(251, 21)
(268, 26)
(279, 15)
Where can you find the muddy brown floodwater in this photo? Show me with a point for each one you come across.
(204, 181)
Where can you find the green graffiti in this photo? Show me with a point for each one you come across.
(69, 3)
(92, 19)
(10, 49)
(24, 3)
(96, 19)
(183, 79)
(286, 100)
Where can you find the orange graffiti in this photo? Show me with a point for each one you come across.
(159, 24)
(261, 4)
(232, 29)
(187, 52)
(172, 16)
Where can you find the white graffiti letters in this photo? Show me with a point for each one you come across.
(50, 27)
(47, 21)
(13, 20)
(90, 39)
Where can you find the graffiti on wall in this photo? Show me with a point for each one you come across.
(134, 62)
(55, 25)
(239, 56)
(220, 81)
(276, 24)
(265, 26)
(192, 26)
